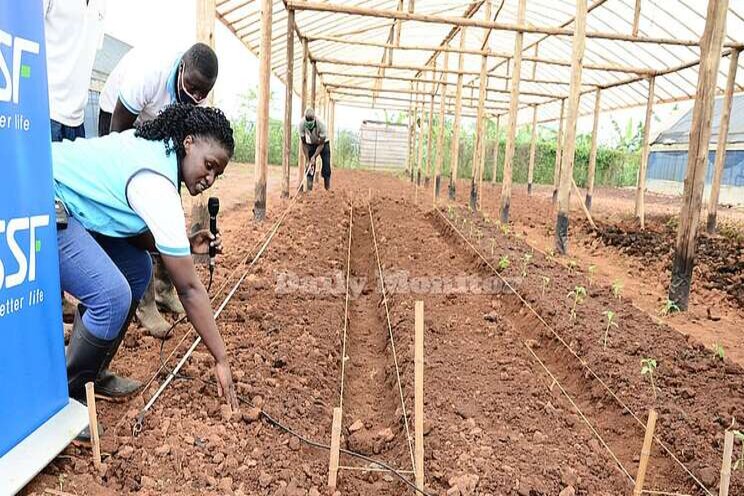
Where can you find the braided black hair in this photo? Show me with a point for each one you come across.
(178, 120)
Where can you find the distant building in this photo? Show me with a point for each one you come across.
(667, 163)
(383, 145)
(106, 59)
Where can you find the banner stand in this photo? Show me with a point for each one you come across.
(30, 456)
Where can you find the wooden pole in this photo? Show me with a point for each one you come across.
(715, 189)
(482, 164)
(640, 205)
(558, 148)
(300, 155)
(511, 135)
(728, 448)
(496, 147)
(648, 440)
(583, 207)
(593, 151)
(479, 124)
(697, 158)
(313, 85)
(569, 144)
(411, 139)
(440, 133)
(288, 105)
(419, 162)
(455, 151)
(533, 150)
(262, 117)
(429, 144)
(636, 18)
(335, 447)
(90, 399)
(419, 394)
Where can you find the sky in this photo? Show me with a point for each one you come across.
(171, 24)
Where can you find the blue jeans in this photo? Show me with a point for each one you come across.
(61, 132)
(106, 274)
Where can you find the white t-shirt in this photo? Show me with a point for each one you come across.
(156, 201)
(144, 81)
(73, 31)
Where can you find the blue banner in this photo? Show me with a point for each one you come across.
(33, 382)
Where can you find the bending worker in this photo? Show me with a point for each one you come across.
(122, 196)
(314, 137)
(139, 87)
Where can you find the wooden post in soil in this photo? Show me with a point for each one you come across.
(482, 161)
(479, 135)
(593, 151)
(335, 447)
(411, 127)
(715, 187)
(569, 144)
(697, 159)
(648, 440)
(455, 142)
(262, 117)
(430, 131)
(640, 204)
(205, 16)
(728, 448)
(533, 150)
(511, 131)
(288, 105)
(90, 399)
(558, 148)
(440, 132)
(300, 154)
(420, 160)
(313, 85)
(496, 147)
(419, 394)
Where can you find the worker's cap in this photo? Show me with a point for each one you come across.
(309, 114)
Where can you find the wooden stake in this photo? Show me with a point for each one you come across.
(419, 394)
(288, 105)
(300, 154)
(496, 148)
(715, 189)
(313, 85)
(593, 151)
(511, 135)
(640, 205)
(455, 151)
(636, 17)
(262, 118)
(569, 143)
(420, 128)
(90, 399)
(440, 133)
(583, 206)
(697, 159)
(335, 447)
(645, 453)
(533, 149)
(558, 148)
(430, 132)
(478, 159)
(728, 448)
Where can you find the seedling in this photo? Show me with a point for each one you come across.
(668, 308)
(572, 266)
(450, 211)
(740, 461)
(578, 293)
(550, 255)
(719, 352)
(526, 259)
(611, 322)
(617, 289)
(505, 229)
(592, 271)
(648, 367)
(504, 263)
(545, 283)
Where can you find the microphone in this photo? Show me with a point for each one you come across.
(213, 206)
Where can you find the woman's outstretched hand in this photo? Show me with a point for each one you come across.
(225, 386)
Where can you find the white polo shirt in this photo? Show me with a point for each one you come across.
(73, 32)
(145, 82)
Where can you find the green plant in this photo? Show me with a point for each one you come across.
(740, 461)
(505, 229)
(617, 289)
(526, 259)
(718, 351)
(592, 269)
(572, 266)
(579, 294)
(611, 322)
(550, 255)
(668, 308)
(504, 262)
(545, 283)
(648, 367)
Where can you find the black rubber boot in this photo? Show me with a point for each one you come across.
(85, 356)
(327, 183)
(108, 384)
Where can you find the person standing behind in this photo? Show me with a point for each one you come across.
(143, 83)
(314, 137)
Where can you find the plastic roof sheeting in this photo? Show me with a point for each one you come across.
(678, 19)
